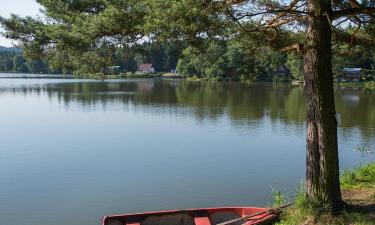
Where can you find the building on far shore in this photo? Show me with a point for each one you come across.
(351, 74)
(282, 73)
(279, 74)
(146, 68)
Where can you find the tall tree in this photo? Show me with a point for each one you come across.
(295, 65)
(37, 66)
(19, 64)
(74, 26)
(6, 61)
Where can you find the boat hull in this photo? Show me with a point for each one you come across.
(204, 216)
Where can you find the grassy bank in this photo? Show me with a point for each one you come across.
(365, 84)
(358, 191)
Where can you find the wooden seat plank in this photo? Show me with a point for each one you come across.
(201, 218)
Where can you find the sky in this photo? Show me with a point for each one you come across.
(19, 7)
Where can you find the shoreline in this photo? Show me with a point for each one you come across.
(297, 83)
(358, 193)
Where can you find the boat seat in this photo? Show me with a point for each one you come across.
(201, 218)
(133, 220)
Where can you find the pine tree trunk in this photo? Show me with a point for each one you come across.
(322, 174)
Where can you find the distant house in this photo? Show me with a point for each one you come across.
(146, 68)
(114, 69)
(282, 71)
(352, 74)
(279, 74)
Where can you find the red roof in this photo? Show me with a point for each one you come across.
(145, 67)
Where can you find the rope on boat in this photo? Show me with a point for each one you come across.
(274, 211)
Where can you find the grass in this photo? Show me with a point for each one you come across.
(358, 190)
(209, 79)
(364, 84)
(307, 213)
(278, 198)
(361, 177)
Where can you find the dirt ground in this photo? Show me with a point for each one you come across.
(361, 200)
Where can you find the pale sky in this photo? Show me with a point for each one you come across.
(19, 7)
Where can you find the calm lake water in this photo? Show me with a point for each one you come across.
(74, 150)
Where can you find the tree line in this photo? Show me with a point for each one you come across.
(235, 58)
(15, 62)
(106, 59)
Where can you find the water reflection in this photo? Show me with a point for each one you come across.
(242, 102)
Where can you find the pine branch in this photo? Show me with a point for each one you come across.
(370, 11)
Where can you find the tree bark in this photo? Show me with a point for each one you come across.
(322, 163)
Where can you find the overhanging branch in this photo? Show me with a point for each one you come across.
(370, 11)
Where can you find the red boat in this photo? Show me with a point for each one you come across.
(208, 216)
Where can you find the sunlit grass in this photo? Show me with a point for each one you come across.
(307, 212)
(359, 177)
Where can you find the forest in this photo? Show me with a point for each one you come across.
(237, 58)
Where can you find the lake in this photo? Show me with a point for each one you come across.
(72, 151)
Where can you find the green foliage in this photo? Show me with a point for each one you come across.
(307, 212)
(193, 78)
(349, 56)
(12, 61)
(163, 56)
(100, 60)
(278, 198)
(362, 176)
(295, 65)
(301, 200)
(370, 85)
(6, 61)
(232, 58)
(348, 178)
(251, 59)
(185, 19)
(302, 216)
(302, 209)
(37, 66)
(188, 64)
(76, 31)
(19, 64)
(213, 60)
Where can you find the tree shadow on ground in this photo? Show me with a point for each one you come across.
(361, 201)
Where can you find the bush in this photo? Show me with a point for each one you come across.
(193, 78)
(370, 85)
